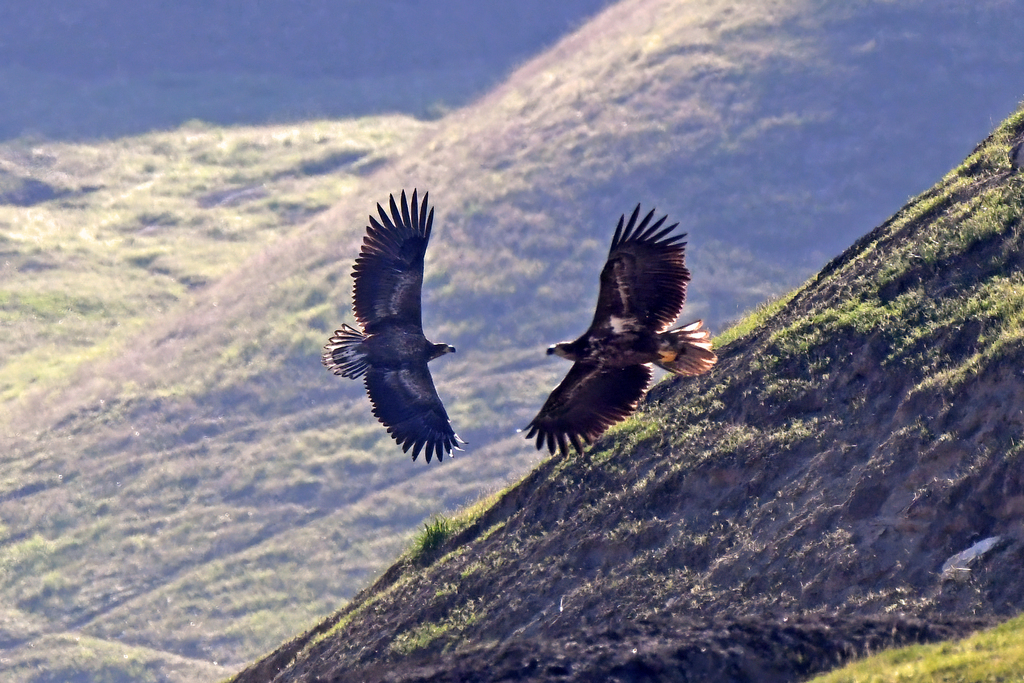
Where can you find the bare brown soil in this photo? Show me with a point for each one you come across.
(739, 651)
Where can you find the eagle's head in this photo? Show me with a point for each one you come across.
(439, 350)
(563, 349)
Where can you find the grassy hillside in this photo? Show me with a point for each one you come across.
(162, 216)
(805, 502)
(178, 474)
(100, 240)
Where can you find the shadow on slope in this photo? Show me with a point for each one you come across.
(110, 69)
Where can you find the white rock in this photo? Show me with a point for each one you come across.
(958, 565)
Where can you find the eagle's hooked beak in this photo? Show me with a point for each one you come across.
(559, 349)
(440, 350)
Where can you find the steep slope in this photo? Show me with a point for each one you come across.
(205, 488)
(833, 463)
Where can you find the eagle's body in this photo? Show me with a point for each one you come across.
(615, 345)
(391, 352)
(622, 344)
(643, 288)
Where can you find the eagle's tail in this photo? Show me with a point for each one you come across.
(343, 355)
(686, 350)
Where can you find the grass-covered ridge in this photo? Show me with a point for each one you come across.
(956, 233)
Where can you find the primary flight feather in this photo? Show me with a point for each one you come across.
(643, 289)
(390, 351)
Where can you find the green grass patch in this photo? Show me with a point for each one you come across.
(426, 634)
(440, 528)
(750, 322)
(993, 655)
(434, 534)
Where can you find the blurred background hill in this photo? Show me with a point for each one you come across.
(183, 485)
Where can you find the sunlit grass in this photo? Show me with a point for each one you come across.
(993, 655)
(761, 313)
(423, 635)
(78, 656)
(434, 534)
(147, 222)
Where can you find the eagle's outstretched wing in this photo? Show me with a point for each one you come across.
(391, 352)
(588, 401)
(389, 270)
(405, 401)
(645, 275)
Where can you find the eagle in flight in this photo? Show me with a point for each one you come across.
(643, 288)
(391, 352)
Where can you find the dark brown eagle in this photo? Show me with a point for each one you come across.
(391, 352)
(643, 288)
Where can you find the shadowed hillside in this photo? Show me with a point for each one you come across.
(297, 38)
(179, 473)
(108, 68)
(766, 520)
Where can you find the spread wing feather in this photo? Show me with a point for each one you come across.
(645, 275)
(405, 401)
(390, 352)
(388, 273)
(588, 401)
